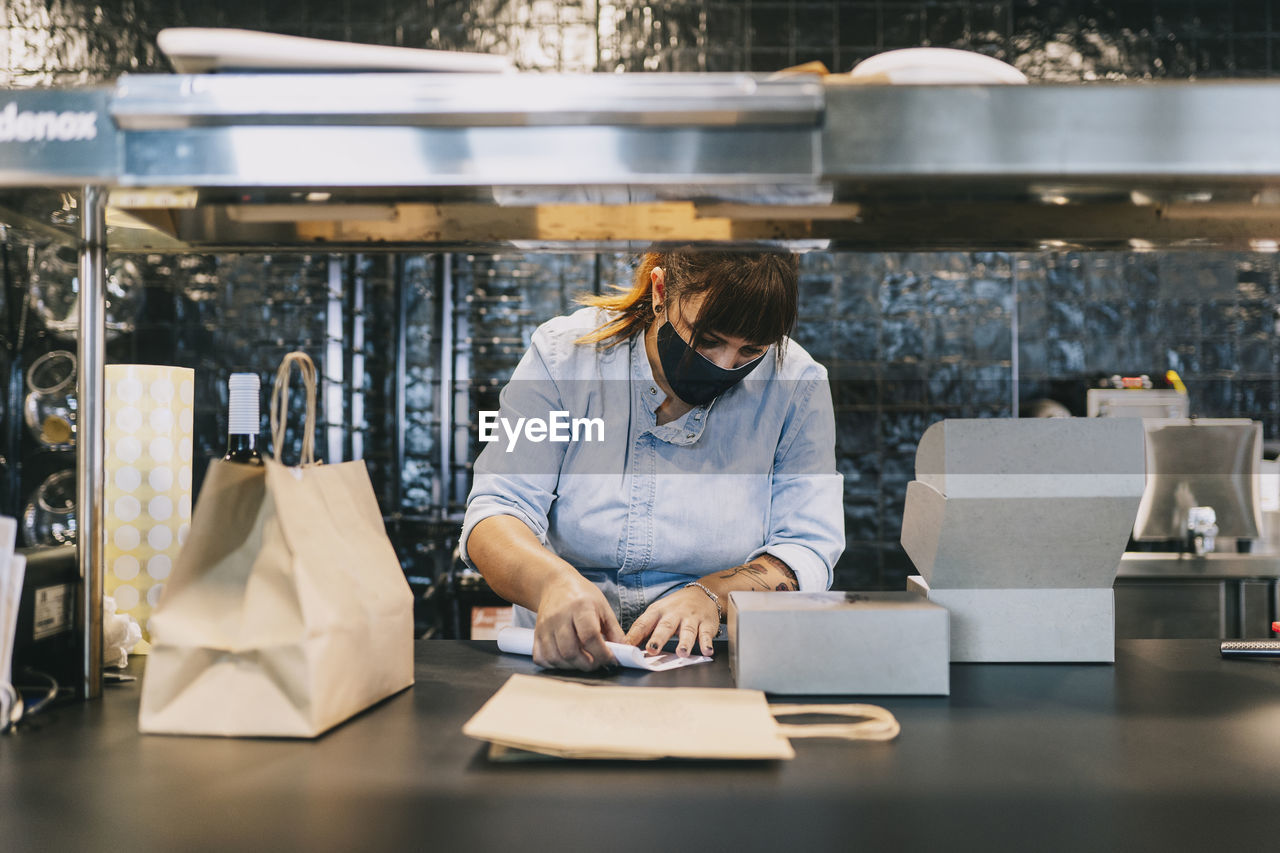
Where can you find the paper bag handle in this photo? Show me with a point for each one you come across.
(280, 406)
(878, 723)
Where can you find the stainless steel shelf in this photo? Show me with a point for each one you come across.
(617, 161)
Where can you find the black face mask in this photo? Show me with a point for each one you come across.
(692, 376)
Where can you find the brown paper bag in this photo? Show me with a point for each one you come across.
(549, 717)
(538, 718)
(570, 720)
(287, 611)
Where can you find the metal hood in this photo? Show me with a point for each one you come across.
(369, 161)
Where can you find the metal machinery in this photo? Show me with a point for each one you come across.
(368, 162)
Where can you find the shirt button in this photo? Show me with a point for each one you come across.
(697, 416)
(653, 390)
(690, 435)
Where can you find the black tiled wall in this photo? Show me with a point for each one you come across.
(909, 339)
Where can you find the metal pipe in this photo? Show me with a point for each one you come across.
(398, 389)
(15, 302)
(357, 426)
(445, 312)
(334, 369)
(1014, 366)
(90, 429)
(463, 397)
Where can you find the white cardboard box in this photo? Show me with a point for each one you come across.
(1016, 542)
(839, 643)
(1007, 503)
(1033, 458)
(1027, 625)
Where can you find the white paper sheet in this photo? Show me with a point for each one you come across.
(519, 641)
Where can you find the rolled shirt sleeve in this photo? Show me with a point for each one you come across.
(806, 516)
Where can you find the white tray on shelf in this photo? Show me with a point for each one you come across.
(202, 50)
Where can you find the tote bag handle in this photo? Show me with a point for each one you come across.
(280, 406)
(877, 723)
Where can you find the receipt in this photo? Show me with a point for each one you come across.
(519, 641)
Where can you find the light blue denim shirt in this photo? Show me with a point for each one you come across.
(643, 509)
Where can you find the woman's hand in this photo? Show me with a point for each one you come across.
(689, 611)
(574, 621)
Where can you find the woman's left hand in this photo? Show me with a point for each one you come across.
(688, 612)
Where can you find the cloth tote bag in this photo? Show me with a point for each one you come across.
(287, 611)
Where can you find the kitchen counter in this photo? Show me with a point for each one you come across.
(1162, 566)
(1180, 595)
(1172, 748)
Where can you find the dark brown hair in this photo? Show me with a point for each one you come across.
(752, 296)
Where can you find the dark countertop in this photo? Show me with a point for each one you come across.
(1173, 748)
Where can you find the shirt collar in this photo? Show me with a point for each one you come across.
(685, 429)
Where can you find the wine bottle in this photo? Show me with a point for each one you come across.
(242, 419)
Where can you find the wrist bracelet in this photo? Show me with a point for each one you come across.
(715, 599)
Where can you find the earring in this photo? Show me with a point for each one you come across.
(658, 309)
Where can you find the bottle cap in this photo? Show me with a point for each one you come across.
(242, 407)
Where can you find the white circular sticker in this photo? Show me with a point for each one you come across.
(128, 478)
(129, 389)
(128, 449)
(160, 508)
(127, 537)
(161, 420)
(126, 508)
(162, 390)
(160, 478)
(126, 597)
(159, 566)
(126, 567)
(160, 537)
(129, 419)
(161, 449)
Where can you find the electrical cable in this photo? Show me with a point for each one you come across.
(51, 692)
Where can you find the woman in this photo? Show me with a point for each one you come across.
(715, 470)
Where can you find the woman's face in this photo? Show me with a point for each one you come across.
(722, 350)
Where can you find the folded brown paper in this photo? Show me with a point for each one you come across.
(287, 611)
(531, 714)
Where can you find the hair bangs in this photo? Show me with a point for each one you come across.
(758, 303)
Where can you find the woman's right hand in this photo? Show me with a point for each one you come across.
(574, 622)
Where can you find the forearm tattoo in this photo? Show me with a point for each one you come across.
(756, 573)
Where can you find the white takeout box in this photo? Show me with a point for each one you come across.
(1024, 503)
(1017, 526)
(838, 643)
(1027, 625)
